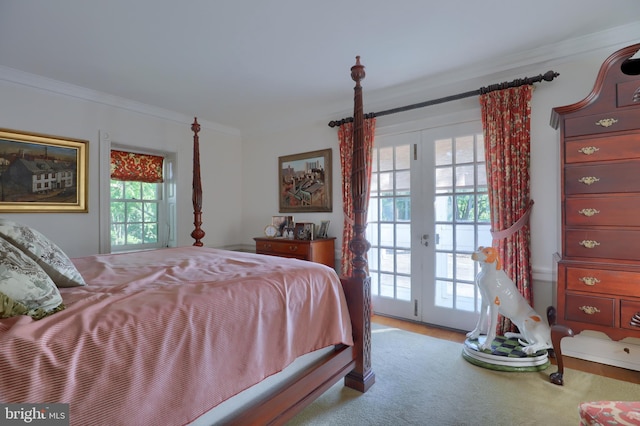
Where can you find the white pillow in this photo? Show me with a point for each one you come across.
(23, 284)
(44, 251)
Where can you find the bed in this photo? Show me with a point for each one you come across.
(171, 336)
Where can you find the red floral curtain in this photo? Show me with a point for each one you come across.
(506, 116)
(132, 166)
(345, 138)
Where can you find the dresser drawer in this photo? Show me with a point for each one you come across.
(630, 314)
(621, 283)
(590, 309)
(620, 210)
(282, 248)
(610, 244)
(601, 123)
(602, 148)
(619, 176)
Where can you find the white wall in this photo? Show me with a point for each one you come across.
(25, 108)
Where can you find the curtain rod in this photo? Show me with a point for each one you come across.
(548, 76)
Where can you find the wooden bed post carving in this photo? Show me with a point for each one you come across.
(359, 284)
(198, 233)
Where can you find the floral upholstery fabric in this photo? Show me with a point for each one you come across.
(44, 251)
(604, 413)
(24, 287)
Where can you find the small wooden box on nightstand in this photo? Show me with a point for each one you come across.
(319, 251)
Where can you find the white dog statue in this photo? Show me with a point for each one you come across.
(500, 295)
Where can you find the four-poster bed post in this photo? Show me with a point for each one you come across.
(362, 377)
(351, 363)
(198, 233)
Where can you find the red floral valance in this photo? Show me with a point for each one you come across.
(132, 166)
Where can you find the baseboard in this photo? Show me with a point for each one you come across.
(596, 348)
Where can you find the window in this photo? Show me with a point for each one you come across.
(140, 194)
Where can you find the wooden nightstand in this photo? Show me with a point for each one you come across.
(319, 251)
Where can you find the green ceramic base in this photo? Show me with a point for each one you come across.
(505, 355)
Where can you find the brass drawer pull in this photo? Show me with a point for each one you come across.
(589, 280)
(293, 248)
(589, 244)
(588, 212)
(588, 180)
(606, 122)
(589, 310)
(588, 150)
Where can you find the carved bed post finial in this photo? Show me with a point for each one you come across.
(198, 233)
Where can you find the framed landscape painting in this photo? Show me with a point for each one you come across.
(42, 174)
(304, 182)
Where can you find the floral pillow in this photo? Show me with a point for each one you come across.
(25, 289)
(44, 251)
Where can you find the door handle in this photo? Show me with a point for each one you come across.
(424, 240)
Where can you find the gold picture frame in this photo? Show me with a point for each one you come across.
(42, 174)
(304, 182)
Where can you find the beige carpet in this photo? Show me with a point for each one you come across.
(421, 380)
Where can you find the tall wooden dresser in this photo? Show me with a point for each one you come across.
(598, 284)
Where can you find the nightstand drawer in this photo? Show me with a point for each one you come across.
(592, 310)
(287, 248)
(319, 250)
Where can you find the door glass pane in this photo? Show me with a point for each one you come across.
(465, 297)
(387, 285)
(464, 149)
(443, 152)
(465, 238)
(402, 182)
(465, 267)
(403, 261)
(444, 179)
(403, 285)
(387, 260)
(403, 235)
(444, 239)
(386, 234)
(444, 294)
(386, 158)
(444, 208)
(386, 182)
(403, 157)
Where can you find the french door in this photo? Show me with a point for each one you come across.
(428, 211)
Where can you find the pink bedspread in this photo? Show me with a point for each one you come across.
(160, 337)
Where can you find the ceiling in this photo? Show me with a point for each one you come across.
(247, 63)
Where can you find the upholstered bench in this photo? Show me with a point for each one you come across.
(603, 413)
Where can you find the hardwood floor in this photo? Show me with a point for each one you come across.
(457, 336)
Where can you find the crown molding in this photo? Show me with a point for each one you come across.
(611, 39)
(22, 78)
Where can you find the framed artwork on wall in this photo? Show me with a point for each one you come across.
(304, 182)
(41, 173)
